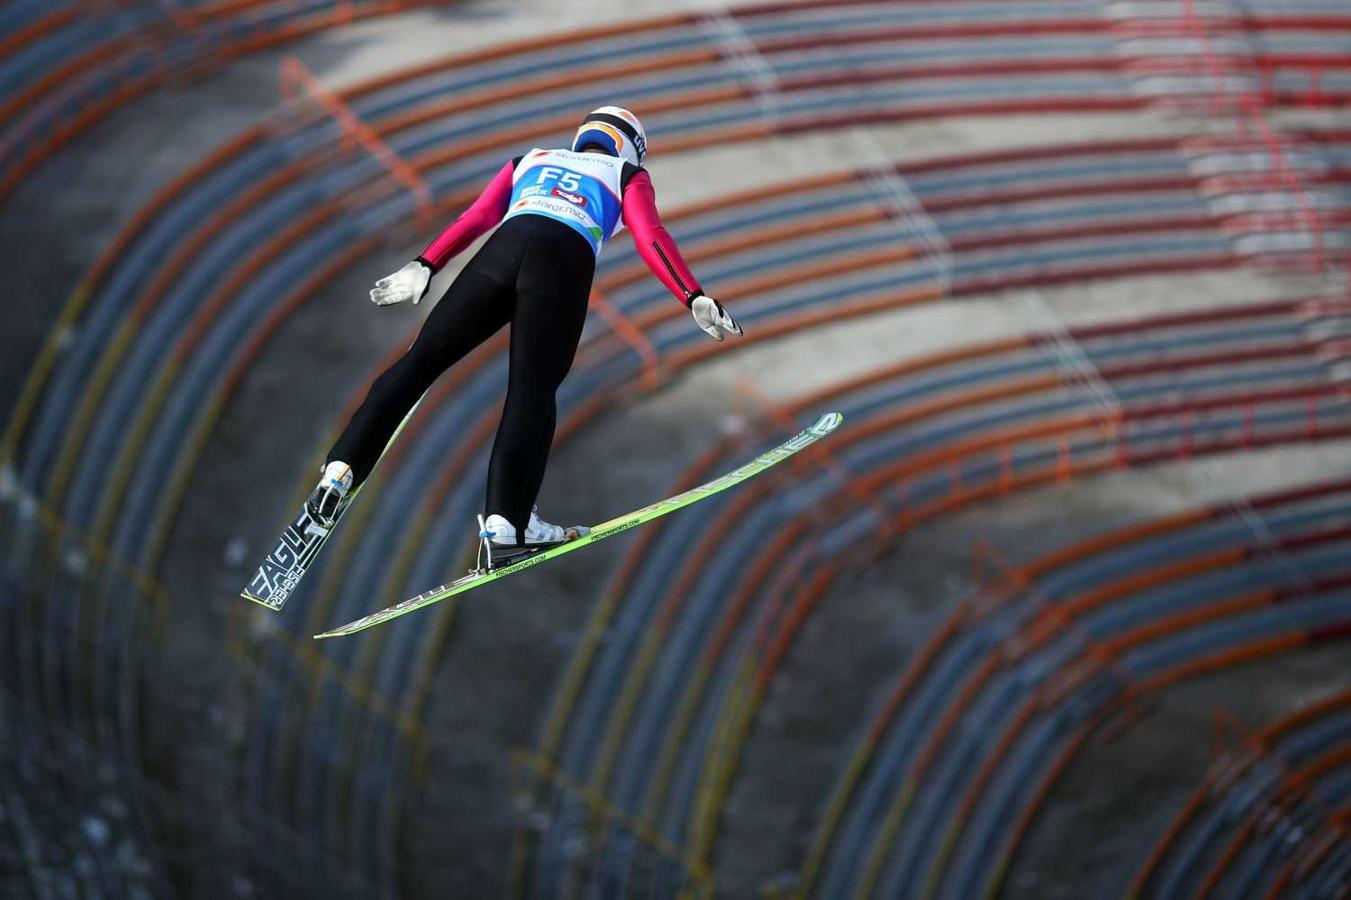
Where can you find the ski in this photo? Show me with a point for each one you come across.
(280, 573)
(824, 426)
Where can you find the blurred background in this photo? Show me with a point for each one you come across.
(1063, 611)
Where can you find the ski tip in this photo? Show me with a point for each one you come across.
(263, 603)
(827, 423)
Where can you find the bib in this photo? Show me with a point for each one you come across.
(581, 190)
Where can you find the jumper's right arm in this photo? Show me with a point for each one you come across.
(482, 214)
(410, 282)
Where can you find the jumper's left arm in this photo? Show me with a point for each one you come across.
(655, 244)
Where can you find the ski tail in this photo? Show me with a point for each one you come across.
(281, 572)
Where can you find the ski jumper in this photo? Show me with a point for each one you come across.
(557, 208)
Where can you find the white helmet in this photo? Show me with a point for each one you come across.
(616, 130)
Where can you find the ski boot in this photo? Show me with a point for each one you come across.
(327, 499)
(498, 545)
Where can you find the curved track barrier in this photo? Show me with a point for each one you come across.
(1280, 796)
(622, 636)
(90, 60)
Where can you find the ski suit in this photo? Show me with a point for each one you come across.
(556, 208)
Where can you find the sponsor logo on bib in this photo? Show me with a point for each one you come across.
(577, 199)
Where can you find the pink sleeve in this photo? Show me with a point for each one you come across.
(655, 244)
(482, 214)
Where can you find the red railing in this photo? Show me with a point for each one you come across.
(1252, 120)
(1314, 66)
(296, 78)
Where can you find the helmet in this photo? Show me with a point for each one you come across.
(617, 130)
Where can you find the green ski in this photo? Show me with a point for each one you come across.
(823, 427)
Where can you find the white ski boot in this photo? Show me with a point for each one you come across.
(539, 532)
(497, 539)
(328, 495)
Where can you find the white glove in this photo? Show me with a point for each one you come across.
(409, 283)
(712, 318)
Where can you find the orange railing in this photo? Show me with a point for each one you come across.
(297, 79)
(1253, 120)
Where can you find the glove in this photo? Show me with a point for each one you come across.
(712, 318)
(409, 283)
